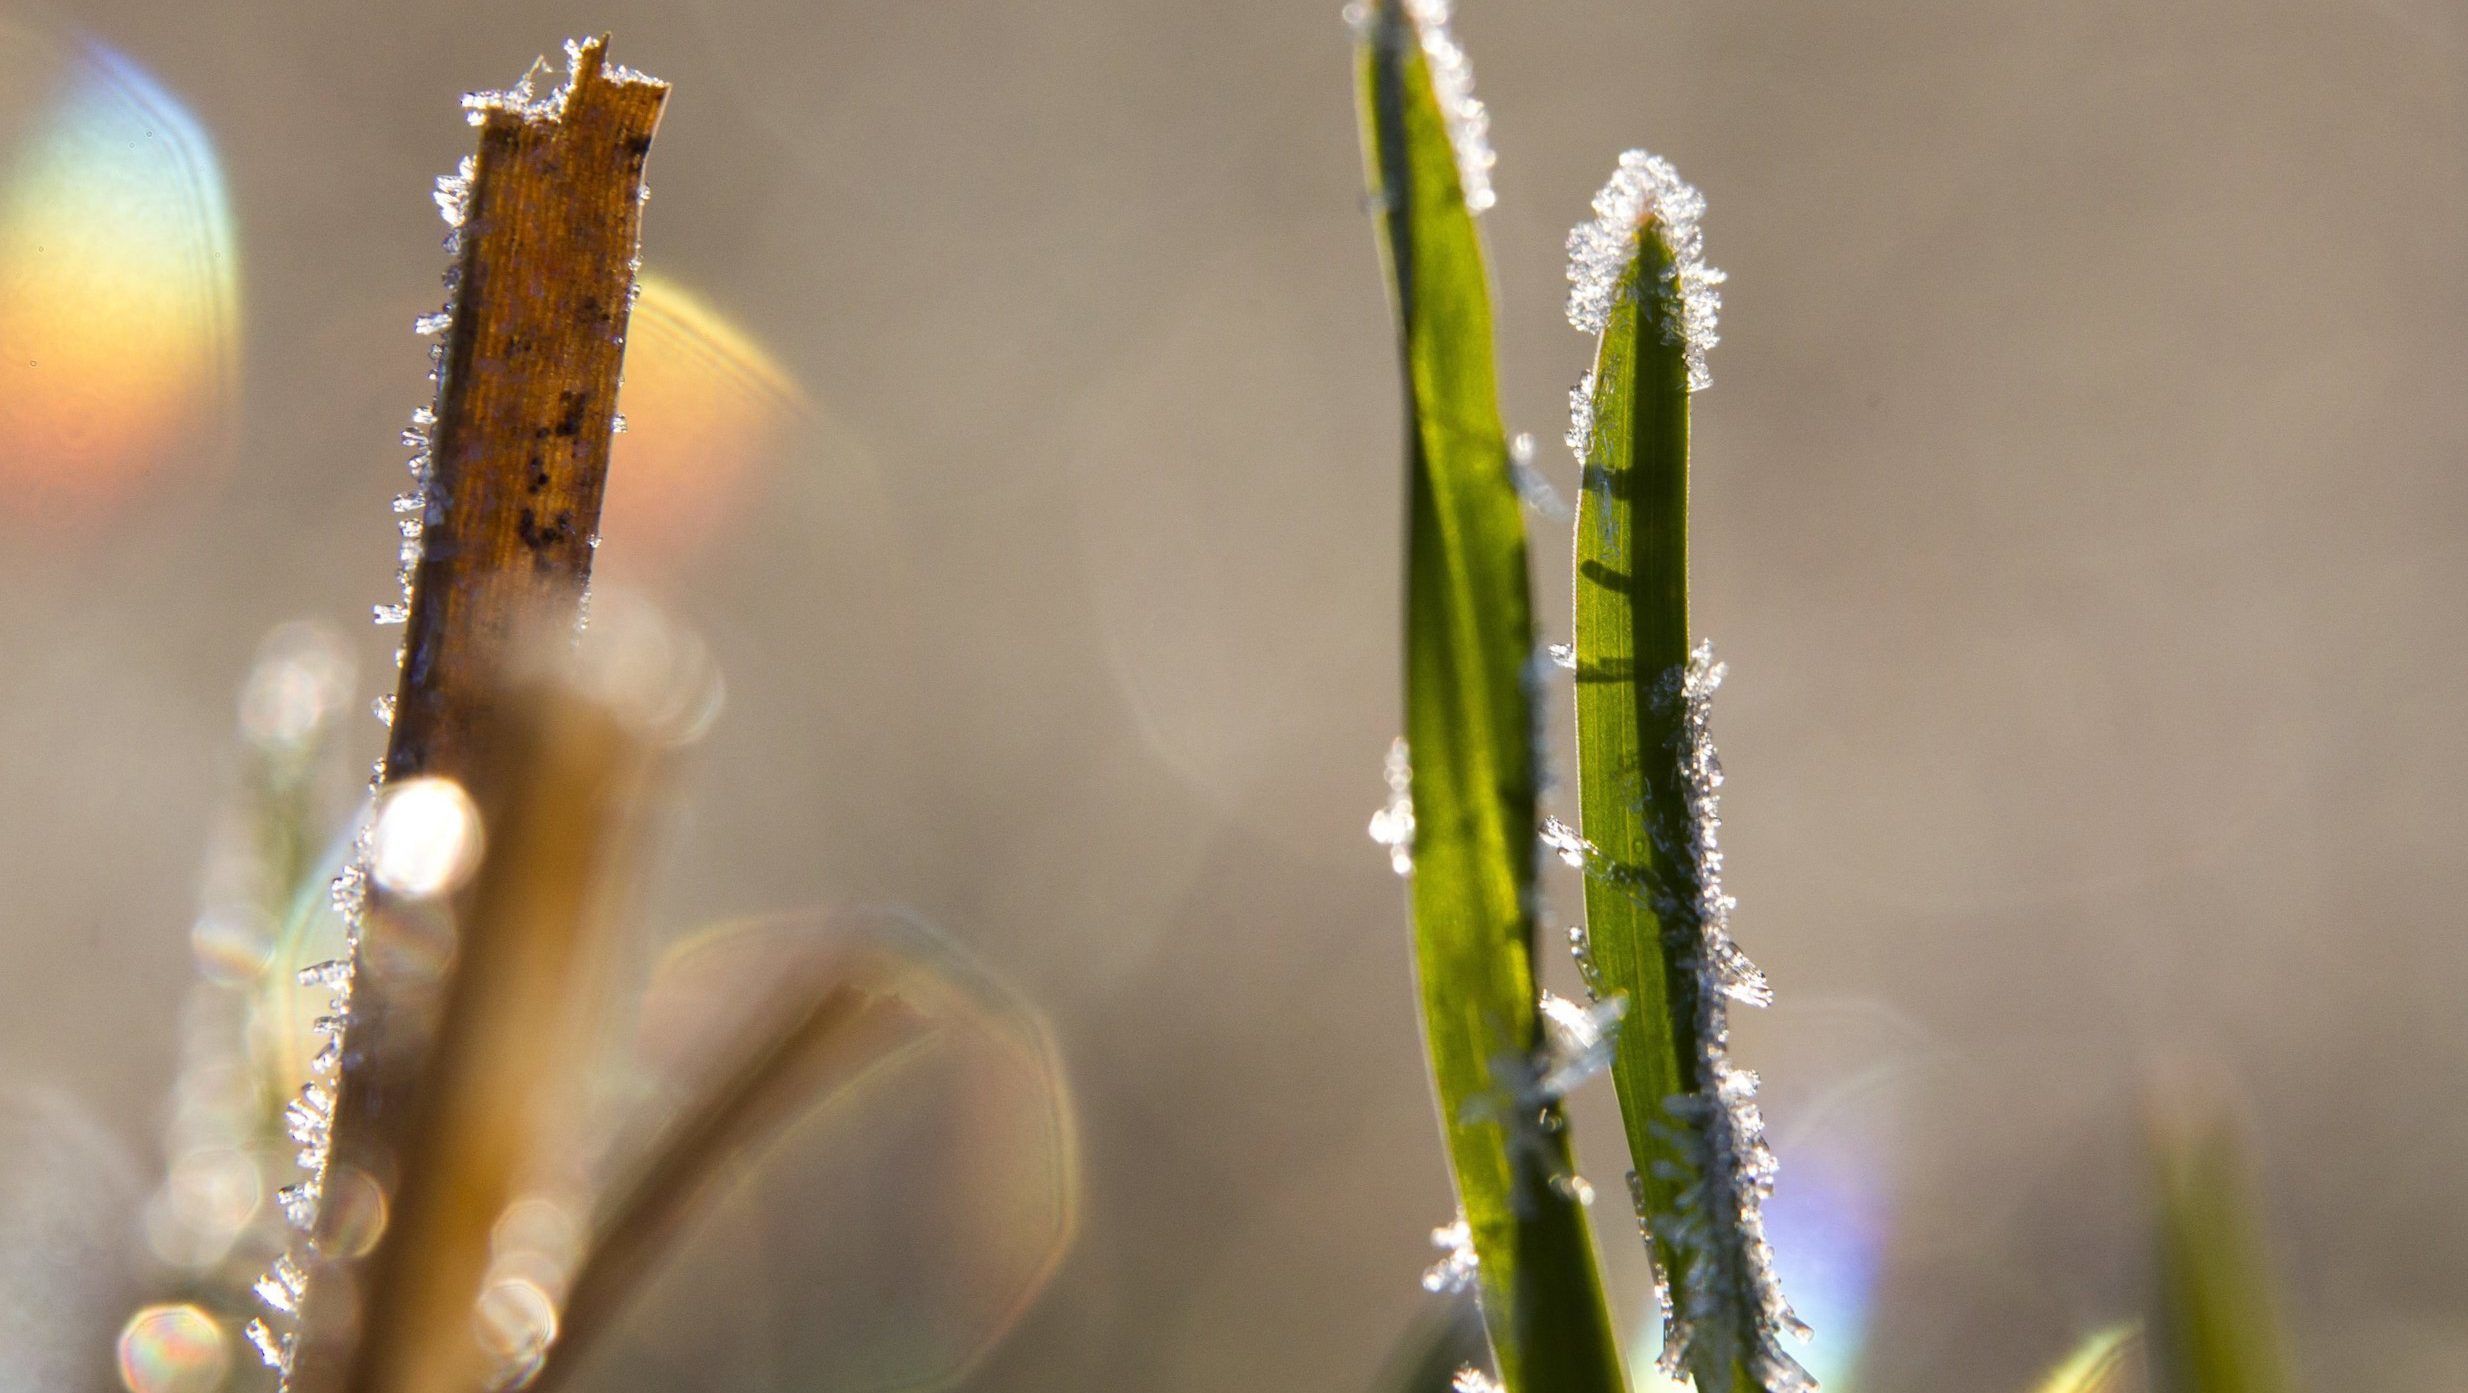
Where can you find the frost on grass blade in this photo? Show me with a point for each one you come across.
(1457, 1264)
(1659, 912)
(1452, 85)
(1393, 825)
(1577, 1042)
(1645, 191)
(1452, 82)
(1728, 1305)
(1561, 840)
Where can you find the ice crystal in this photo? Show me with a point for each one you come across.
(1562, 841)
(1581, 948)
(1532, 485)
(525, 102)
(521, 101)
(1715, 1241)
(1393, 825)
(454, 192)
(273, 1349)
(299, 1204)
(1458, 1262)
(1472, 1380)
(1580, 436)
(282, 1286)
(1577, 1042)
(1645, 190)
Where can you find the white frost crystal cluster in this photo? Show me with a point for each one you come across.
(1644, 190)
(1717, 1236)
(1393, 825)
(1457, 1264)
(1452, 84)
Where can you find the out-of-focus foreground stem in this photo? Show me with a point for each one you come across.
(558, 783)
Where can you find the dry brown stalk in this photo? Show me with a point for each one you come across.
(520, 447)
(558, 788)
(519, 464)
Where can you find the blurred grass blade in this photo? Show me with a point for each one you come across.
(2215, 1322)
(829, 1027)
(1427, 1355)
(2110, 1361)
(1470, 728)
(558, 786)
(1657, 917)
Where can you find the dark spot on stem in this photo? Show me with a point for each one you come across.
(570, 423)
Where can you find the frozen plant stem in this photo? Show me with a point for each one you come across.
(1469, 762)
(498, 536)
(519, 448)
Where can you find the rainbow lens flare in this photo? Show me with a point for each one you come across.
(173, 1349)
(705, 408)
(118, 300)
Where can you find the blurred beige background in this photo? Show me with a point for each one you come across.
(2079, 506)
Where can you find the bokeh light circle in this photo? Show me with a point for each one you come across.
(173, 1349)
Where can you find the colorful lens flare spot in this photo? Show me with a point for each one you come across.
(173, 1349)
(705, 408)
(117, 287)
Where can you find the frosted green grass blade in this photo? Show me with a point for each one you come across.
(2216, 1322)
(1655, 911)
(1470, 728)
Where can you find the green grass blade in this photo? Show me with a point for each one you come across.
(2216, 1321)
(1470, 727)
(1657, 918)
